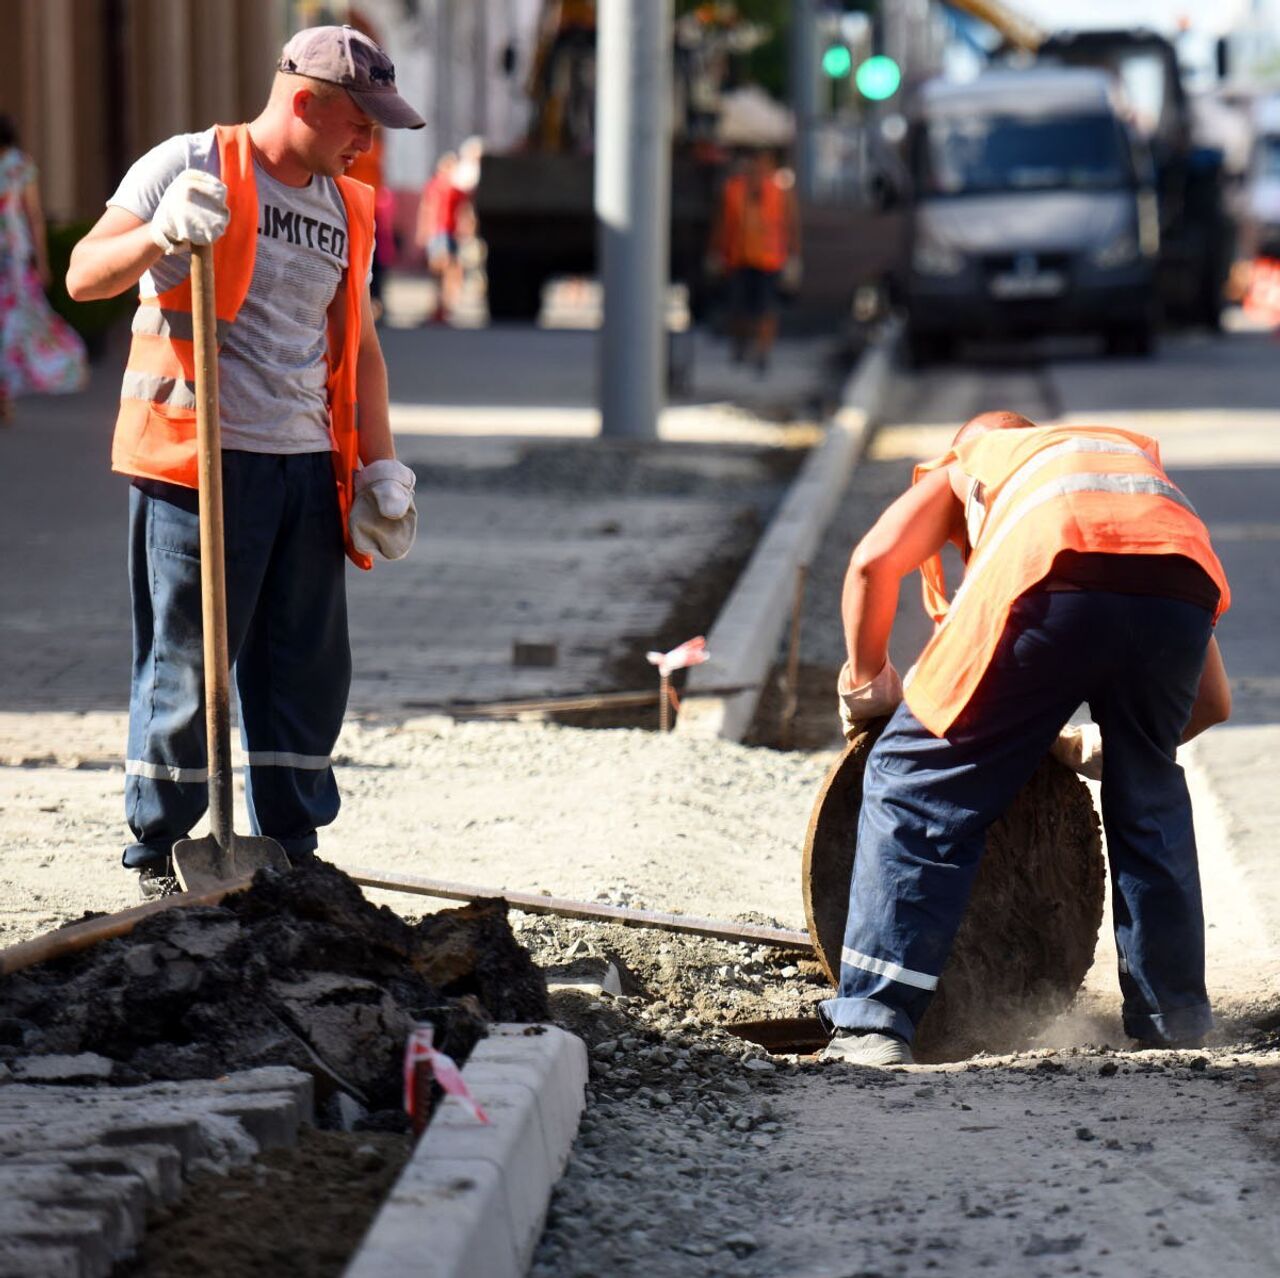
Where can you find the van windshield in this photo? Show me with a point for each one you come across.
(975, 154)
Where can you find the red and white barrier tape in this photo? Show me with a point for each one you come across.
(420, 1048)
(693, 652)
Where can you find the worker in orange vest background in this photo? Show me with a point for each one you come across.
(1090, 578)
(304, 476)
(367, 168)
(755, 243)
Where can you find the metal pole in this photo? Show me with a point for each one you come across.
(590, 911)
(804, 91)
(633, 209)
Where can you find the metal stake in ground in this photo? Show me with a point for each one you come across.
(203, 864)
(693, 652)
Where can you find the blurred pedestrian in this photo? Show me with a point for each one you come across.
(39, 352)
(439, 213)
(756, 243)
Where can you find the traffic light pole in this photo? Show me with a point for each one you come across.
(633, 209)
(804, 91)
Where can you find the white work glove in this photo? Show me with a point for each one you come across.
(873, 700)
(383, 518)
(792, 275)
(193, 210)
(1080, 748)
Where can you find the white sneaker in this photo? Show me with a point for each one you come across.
(856, 1048)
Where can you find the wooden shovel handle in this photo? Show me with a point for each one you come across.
(213, 587)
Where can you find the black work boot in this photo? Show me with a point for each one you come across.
(157, 881)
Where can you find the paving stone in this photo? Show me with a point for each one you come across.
(26, 1260)
(158, 1167)
(120, 1202)
(79, 1166)
(271, 1118)
(60, 1227)
(62, 1069)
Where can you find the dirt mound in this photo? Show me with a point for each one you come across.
(298, 970)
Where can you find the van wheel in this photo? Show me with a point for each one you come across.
(1139, 340)
(927, 348)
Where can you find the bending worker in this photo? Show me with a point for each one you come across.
(303, 478)
(1088, 578)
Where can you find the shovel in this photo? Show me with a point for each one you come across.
(203, 864)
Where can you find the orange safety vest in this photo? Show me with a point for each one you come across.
(1085, 488)
(155, 435)
(753, 233)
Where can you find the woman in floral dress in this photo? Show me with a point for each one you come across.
(38, 351)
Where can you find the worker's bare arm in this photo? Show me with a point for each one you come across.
(112, 256)
(1213, 699)
(915, 527)
(372, 392)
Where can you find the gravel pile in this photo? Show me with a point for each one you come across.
(672, 1163)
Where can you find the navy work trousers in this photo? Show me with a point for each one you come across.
(286, 635)
(927, 802)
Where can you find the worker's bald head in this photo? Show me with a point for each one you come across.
(999, 419)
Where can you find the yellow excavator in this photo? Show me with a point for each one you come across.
(1018, 32)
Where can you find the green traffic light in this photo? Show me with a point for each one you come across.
(837, 62)
(878, 78)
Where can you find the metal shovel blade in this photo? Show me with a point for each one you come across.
(202, 864)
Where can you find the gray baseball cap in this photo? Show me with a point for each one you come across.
(345, 56)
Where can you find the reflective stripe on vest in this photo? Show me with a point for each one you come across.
(158, 321)
(1058, 488)
(1088, 482)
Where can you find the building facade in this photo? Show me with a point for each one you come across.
(92, 84)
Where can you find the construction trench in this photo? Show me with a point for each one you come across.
(1031, 1141)
(301, 971)
(702, 1050)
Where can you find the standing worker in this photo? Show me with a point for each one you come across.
(367, 168)
(756, 244)
(303, 477)
(1090, 578)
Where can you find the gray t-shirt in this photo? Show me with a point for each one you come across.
(272, 368)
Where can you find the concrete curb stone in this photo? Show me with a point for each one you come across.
(743, 640)
(473, 1198)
